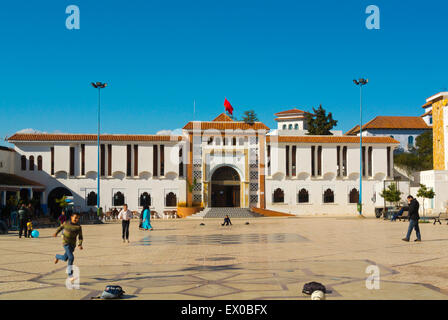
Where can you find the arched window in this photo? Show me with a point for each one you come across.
(31, 163)
(145, 199)
(284, 127)
(279, 196)
(118, 199)
(170, 200)
(23, 162)
(290, 127)
(354, 196)
(296, 126)
(91, 198)
(303, 196)
(328, 196)
(39, 163)
(411, 141)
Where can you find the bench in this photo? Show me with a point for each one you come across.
(170, 214)
(404, 216)
(441, 216)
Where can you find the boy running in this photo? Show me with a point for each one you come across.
(72, 230)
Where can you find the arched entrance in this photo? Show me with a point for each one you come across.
(225, 190)
(53, 206)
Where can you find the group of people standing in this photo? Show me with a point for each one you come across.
(25, 214)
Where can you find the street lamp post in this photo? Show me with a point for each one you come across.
(361, 82)
(99, 86)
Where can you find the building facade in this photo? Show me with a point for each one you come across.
(437, 179)
(403, 129)
(218, 163)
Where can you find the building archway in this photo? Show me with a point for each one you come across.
(56, 193)
(226, 187)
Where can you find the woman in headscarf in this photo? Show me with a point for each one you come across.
(146, 225)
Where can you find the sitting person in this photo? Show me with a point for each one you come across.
(115, 213)
(398, 214)
(227, 221)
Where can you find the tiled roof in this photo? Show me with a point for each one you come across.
(89, 137)
(7, 179)
(353, 130)
(6, 149)
(287, 112)
(427, 104)
(331, 139)
(223, 117)
(427, 113)
(393, 122)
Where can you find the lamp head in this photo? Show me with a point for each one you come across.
(99, 85)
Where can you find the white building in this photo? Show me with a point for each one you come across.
(437, 179)
(219, 163)
(403, 129)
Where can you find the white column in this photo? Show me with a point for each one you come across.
(391, 162)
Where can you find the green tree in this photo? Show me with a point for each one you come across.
(419, 158)
(319, 123)
(391, 194)
(250, 116)
(425, 193)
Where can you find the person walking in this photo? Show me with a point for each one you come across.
(30, 210)
(23, 219)
(413, 219)
(72, 230)
(125, 216)
(146, 218)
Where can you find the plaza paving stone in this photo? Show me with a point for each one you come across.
(271, 258)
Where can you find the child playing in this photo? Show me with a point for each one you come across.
(29, 227)
(72, 230)
(227, 221)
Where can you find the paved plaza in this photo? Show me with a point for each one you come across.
(269, 258)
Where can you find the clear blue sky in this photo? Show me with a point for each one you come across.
(159, 56)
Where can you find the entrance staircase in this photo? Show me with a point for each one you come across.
(222, 212)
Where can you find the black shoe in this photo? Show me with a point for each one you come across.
(405, 239)
(418, 240)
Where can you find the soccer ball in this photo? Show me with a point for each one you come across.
(318, 295)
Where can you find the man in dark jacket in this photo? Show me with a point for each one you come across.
(23, 219)
(413, 219)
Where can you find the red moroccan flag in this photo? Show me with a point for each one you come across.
(228, 106)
